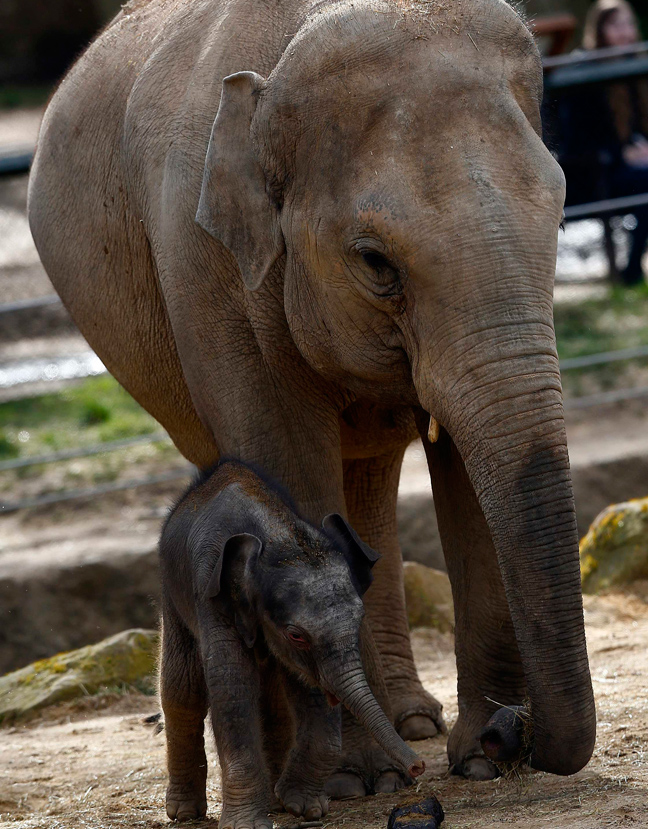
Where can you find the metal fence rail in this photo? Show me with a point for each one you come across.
(603, 357)
(584, 402)
(86, 452)
(15, 160)
(30, 304)
(568, 364)
(91, 492)
(604, 397)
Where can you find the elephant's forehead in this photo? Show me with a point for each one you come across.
(316, 590)
(363, 41)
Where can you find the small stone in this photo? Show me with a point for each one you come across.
(428, 814)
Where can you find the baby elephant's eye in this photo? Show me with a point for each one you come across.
(297, 638)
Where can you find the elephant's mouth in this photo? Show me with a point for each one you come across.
(332, 699)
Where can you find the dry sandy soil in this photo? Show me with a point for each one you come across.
(98, 765)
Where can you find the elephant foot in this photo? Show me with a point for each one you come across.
(182, 805)
(310, 807)
(362, 774)
(418, 717)
(475, 767)
(465, 754)
(300, 799)
(244, 818)
(344, 785)
(418, 727)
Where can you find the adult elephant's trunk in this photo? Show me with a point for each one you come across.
(343, 676)
(497, 393)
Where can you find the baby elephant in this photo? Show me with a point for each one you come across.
(255, 599)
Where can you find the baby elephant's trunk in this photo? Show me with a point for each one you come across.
(348, 683)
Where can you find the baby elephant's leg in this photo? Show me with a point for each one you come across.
(184, 702)
(315, 754)
(277, 714)
(233, 681)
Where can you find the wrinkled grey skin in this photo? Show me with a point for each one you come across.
(376, 244)
(260, 605)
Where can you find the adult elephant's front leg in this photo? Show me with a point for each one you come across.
(371, 490)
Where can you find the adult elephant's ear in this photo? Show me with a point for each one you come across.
(360, 556)
(234, 205)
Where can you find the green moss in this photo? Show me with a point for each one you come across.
(615, 550)
(127, 660)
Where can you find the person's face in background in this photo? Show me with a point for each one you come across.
(620, 29)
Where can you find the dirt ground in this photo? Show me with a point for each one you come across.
(98, 765)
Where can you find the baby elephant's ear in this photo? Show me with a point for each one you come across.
(360, 556)
(243, 545)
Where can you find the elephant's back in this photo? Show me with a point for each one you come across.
(88, 226)
(116, 181)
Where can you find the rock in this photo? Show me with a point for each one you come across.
(428, 814)
(615, 550)
(126, 659)
(418, 533)
(428, 597)
(66, 590)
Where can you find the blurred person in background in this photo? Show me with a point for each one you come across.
(606, 126)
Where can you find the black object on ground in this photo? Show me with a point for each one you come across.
(428, 814)
(506, 736)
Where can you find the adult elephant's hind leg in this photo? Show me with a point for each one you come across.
(371, 491)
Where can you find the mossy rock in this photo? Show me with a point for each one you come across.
(121, 662)
(428, 597)
(615, 550)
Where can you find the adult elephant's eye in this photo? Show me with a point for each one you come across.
(384, 274)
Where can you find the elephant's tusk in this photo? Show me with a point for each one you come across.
(433, 430)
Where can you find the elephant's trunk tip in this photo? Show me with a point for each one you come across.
(507, 737)
(416, 768)
(508, 741)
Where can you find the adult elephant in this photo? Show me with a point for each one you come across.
(294, 230)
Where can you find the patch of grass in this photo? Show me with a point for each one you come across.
(618, 320)
(97, 410)
(8, 449)
(13, 96)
